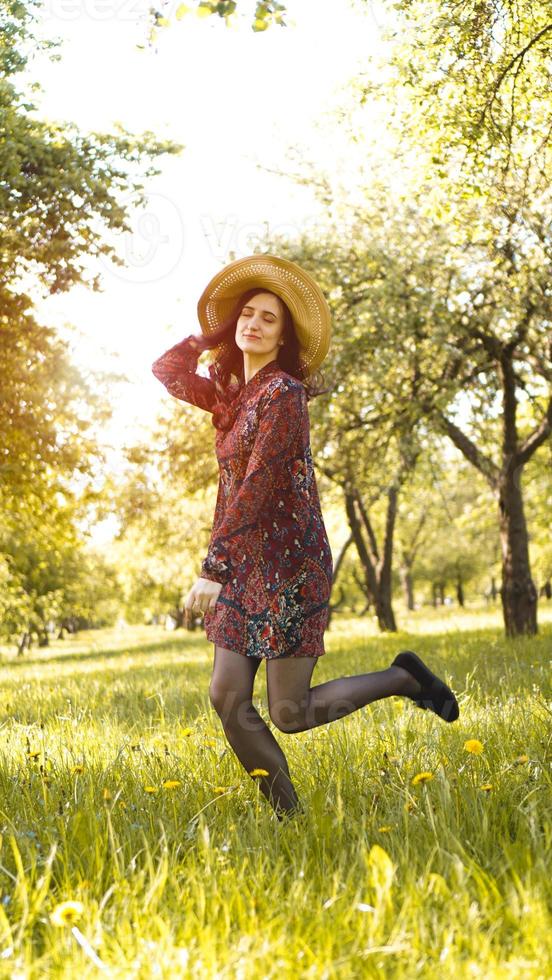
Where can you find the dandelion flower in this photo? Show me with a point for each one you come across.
(172, 783)
(186, 731)
(410, 805)
(150, 789)
(422, 777)
(486, 787)
(520, 759)
(34, 754)
(220, 789)
(473, 745)
(210, 741)
(67, 913)
(77, 769)
(385, 829)
(258, 772)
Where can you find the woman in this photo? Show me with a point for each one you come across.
(266, 580)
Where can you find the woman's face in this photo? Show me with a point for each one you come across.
(260, 325)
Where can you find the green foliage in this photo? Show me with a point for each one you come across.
(480, 77)
(266, 13)
(59, 193)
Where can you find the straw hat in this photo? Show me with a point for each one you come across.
(306, 301)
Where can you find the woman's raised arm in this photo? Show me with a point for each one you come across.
(176, 369)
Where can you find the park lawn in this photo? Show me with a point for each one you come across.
(382, 876)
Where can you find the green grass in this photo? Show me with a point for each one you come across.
(191, 882)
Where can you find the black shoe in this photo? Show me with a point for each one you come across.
(434, 694)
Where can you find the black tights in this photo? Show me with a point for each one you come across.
(255, 746)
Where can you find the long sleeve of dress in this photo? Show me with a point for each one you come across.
(276, 444)
(176, 369)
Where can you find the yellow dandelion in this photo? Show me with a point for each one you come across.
(410, 806)
(258, 772)
(150, 789)
(521, 759)
(473, 745)
(66, 913)
(186, 731)
(386, 828)
(34, 754)
(210, 741)
(107, 794)
(77, 769)
(486, 787)
(220, 789)
(172, 783)
(122, 804)
(422, 777)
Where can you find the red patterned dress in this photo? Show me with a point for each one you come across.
(269, 547)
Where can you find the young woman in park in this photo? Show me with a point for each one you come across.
(266, 580)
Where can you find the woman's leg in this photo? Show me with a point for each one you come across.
(231, 692)
(295, 707)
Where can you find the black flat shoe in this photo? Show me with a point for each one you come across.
(434, 694)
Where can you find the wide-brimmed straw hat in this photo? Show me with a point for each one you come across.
(303, 296)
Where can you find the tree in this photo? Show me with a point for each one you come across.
(454, 272)
(58, 191)
(479, 76)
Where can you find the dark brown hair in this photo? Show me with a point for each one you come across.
(229, 361)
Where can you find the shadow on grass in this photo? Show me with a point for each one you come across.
(183, 641)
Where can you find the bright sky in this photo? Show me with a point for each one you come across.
(232, 97)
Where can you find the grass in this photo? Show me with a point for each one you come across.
(380, 876)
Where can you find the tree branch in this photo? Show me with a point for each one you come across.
(519, 55)
(538, 436)
(486, 466)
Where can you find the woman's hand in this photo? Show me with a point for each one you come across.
(201, 598)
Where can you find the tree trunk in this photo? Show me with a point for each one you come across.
(459, 589)
(518, 592)
(377, 571)
(24, 643)
(384, 609)
(408, 588)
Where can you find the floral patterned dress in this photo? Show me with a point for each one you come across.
(269, 547)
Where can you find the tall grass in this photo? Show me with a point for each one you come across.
(379, 877)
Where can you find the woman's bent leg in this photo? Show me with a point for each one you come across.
(231, 692)
(296, 707)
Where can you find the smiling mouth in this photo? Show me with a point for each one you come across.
(251, 336)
